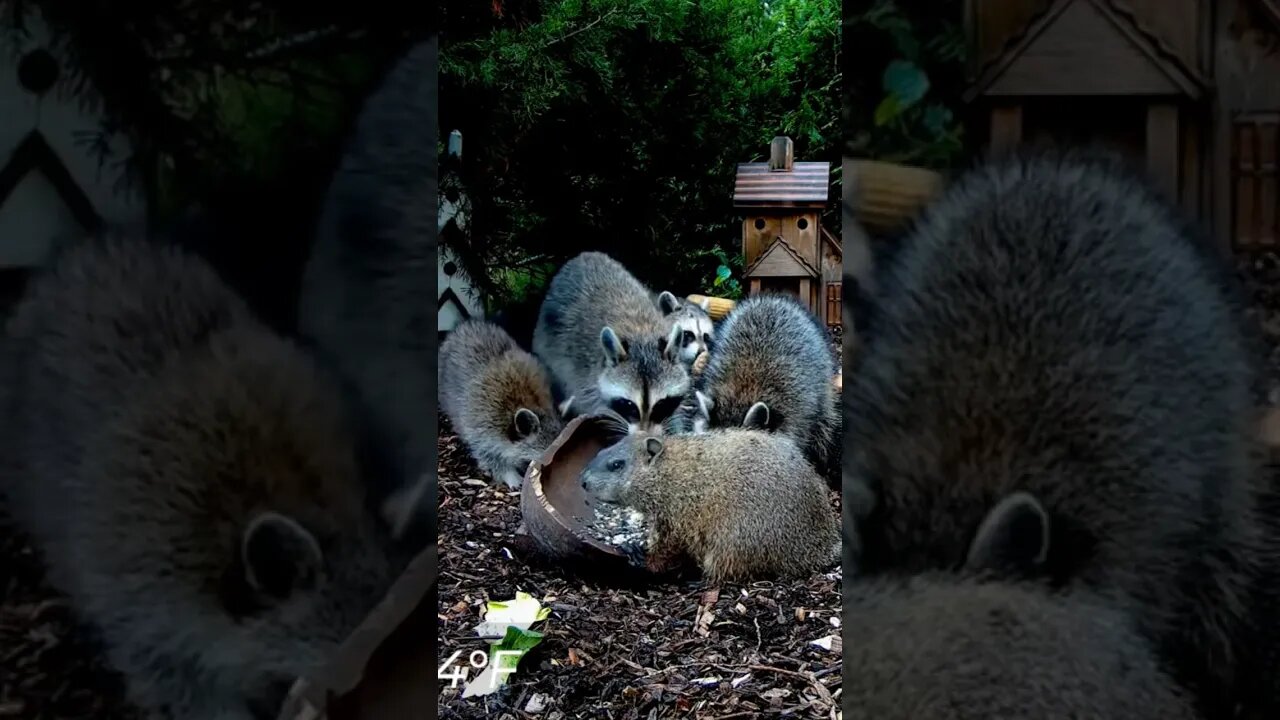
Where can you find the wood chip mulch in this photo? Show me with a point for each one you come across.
(50, 666)
(680, 649)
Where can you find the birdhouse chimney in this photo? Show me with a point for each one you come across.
(781, 154)
(455, 144)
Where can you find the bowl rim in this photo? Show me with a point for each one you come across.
(533, 480)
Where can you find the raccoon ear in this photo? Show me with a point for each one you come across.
(1012, 538)
(757, 417)
(280, 556)
(614, 350)
(653, 446)
(524, 423)
(667, 302)
(671, 345)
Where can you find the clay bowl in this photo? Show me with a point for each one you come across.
(555, 506)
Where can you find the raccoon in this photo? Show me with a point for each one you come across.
(370, 282)
(945, 647)
(1048, 328)
(498, 398)
(696, 328)
(741, 503)
(189, 478)
(773, 368)
(607, 345)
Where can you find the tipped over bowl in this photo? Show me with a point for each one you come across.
(558, 511)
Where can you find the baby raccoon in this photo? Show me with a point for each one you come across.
(772, 368)
(498, 398)
(607, 345)
(946, 647)
(1049, 327)
(696, 328)
(741, 503)
(189, 479)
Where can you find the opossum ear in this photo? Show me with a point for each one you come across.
(280, 557)
(653, 446)
(668, 303)
(524, 423)
(670, 346)
(757, 417)
(614, 349)
(1013, 537)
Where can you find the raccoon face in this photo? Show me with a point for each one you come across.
(645, 388)
(608, 476)
(695, 327)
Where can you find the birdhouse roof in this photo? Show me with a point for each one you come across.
(780, 260)
(805, 185)
(1084, 29)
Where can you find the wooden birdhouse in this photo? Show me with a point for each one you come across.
(1186, 87)
(784, 246)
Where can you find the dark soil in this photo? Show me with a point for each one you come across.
(677, 649)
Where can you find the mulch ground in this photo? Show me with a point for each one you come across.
(50, 667)
(678, 649)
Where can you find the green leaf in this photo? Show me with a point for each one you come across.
(905, 81)
(937, 118)
(888, 109)
(722, 273)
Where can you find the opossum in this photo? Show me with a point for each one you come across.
(607, 345)
(1048, 328)
(189, 478)
(498, 398)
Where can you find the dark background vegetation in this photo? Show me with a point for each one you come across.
(617, 124)
(236, 112)
(904, 73)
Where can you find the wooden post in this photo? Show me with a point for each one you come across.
(1162, 146)
(781, 154)
(755, 286)
(1006, 128)
(805, 293)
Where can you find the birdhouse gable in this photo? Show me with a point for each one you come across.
(1086, 47)
(780, 260)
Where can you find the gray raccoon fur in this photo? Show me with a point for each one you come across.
(771, 350)
(607, 345)
(741, 503)
(189, 479)
(498, 398)
(370, 281)
(944, 647)
(1048, 328)
(696, 328)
